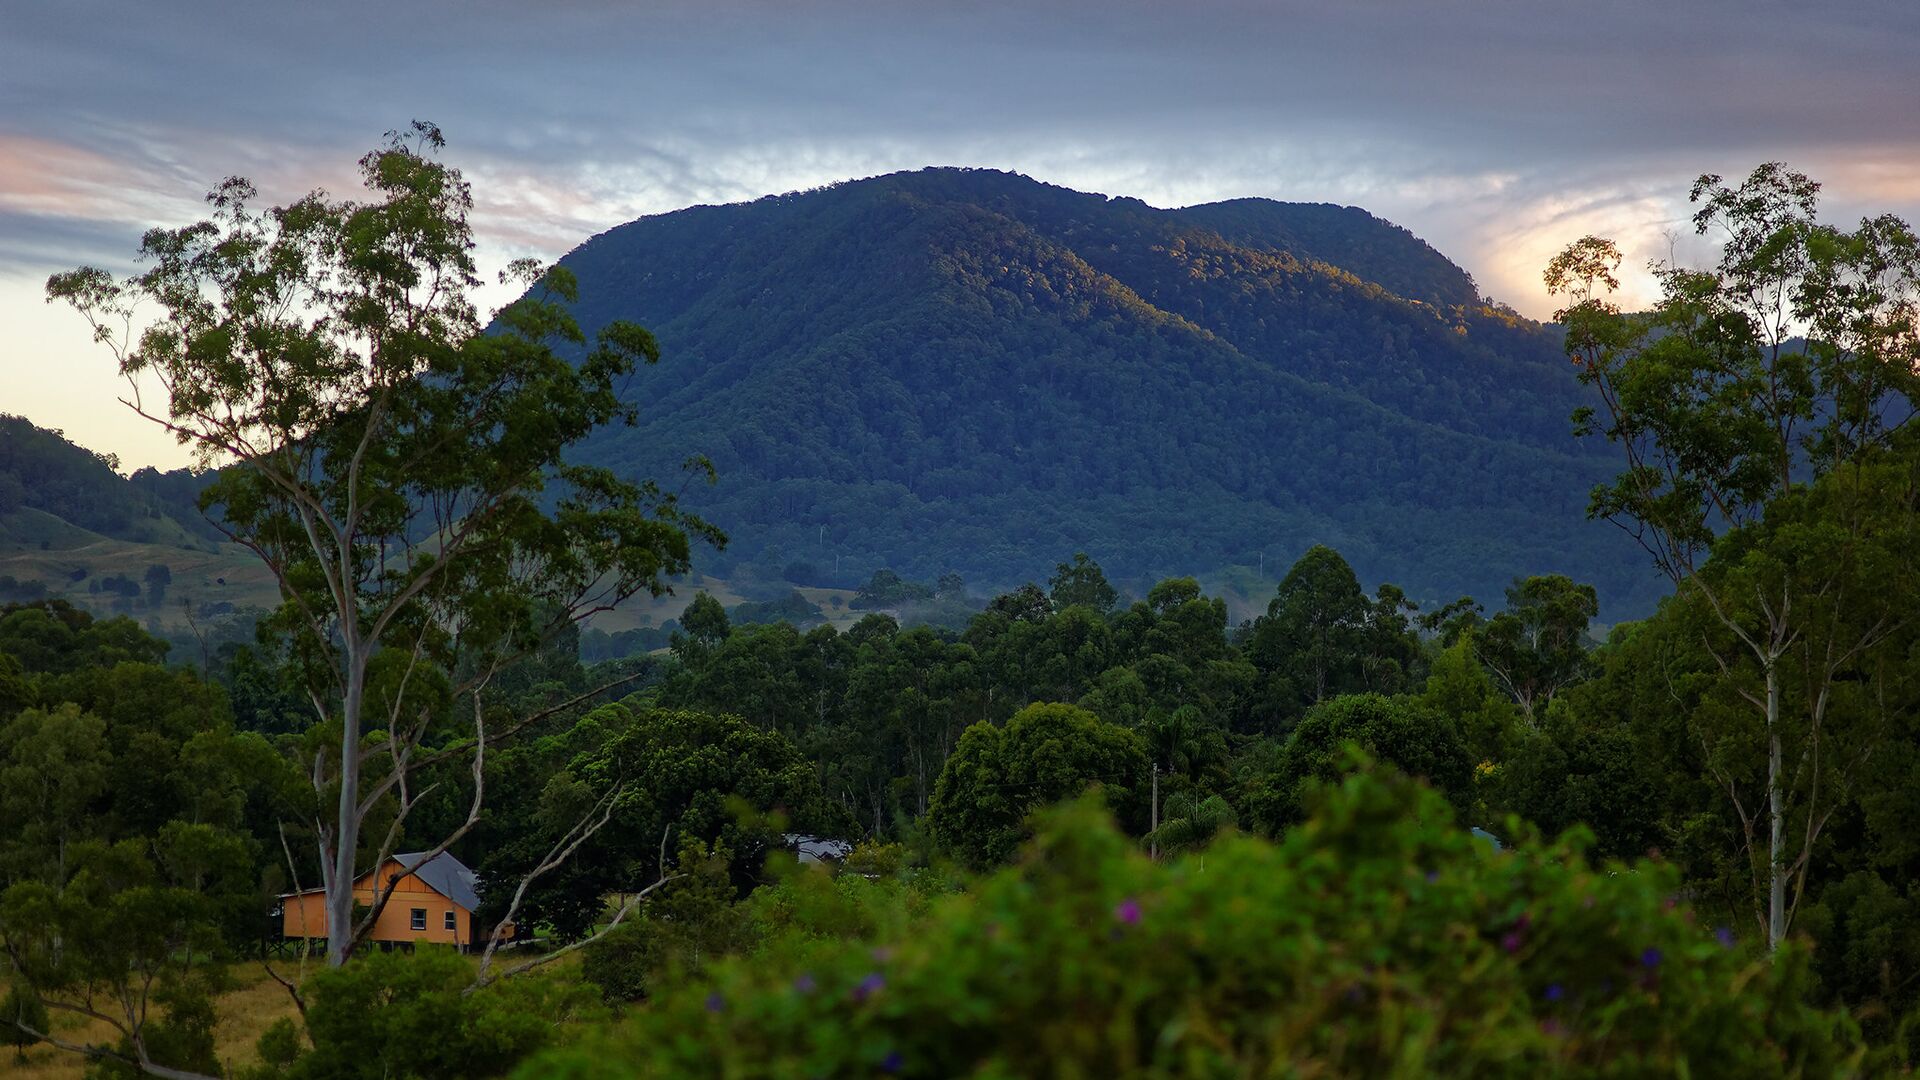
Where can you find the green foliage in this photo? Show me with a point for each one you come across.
(1566, 776)
(792, 608)
(814, 909)
(705, 621)
(180, 1037)
(1047, 752)
(1538, 645)
(1756, 406)
(41, 471)
(157, 577)
(969, 370)
(1184, 743)
(1322, 636)
(125, 912)
(1189, 822)
(1720, 405)
(887, 589)
(1081, 583)
(1377, 939)
(407, 1016)
(410, 482)
(279, 1046)
(687, 924)
(673, 777)
(1398, 731)
(22, 1013)
(1459, 688)
(54, 637)
(132, 865)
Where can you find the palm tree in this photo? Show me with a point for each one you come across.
(1191, 822)
(1184, 742)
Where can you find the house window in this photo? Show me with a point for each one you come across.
(450, 923)
(419, 918)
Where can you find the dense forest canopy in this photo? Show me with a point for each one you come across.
(41, 471)
(967, 370)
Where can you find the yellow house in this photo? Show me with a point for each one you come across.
(431, 901)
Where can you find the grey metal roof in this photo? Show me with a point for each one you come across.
(817, 849)
(446, 875)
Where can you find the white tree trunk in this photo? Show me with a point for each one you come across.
(339, 884)
(1776, 814)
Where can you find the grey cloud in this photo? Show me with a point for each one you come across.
(33, 245)
(579, 79)
(1458, 119)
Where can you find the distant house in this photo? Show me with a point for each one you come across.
(432, 901)
(815, 849)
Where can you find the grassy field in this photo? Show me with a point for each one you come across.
(201, 575)
(841, 617)
(646, 610)
(245, 1011)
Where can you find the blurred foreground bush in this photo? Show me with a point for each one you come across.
(1378, 938)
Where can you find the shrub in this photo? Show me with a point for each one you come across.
(686, 925)
(1400, 731)
(996, 776)
(407, 1015)
(21, 1007)
(181, 1039)
(1377, 938)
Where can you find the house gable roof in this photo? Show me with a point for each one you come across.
(445, 875)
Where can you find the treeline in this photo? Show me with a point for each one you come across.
(41, 470)
(159, 814)
(951, 738)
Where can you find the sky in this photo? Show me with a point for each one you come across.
(1497, 130)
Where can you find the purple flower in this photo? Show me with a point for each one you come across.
(804, 984)
(1433, 876)
(1724, 936)
(1512, 940)
(1127, 911)
(892, 1062)
(1555, 992)
(716, 1003)
(869, 986)
(1650, 958)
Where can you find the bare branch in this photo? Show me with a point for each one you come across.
(625, 910)
(562, 850)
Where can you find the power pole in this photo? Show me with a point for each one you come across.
(1153, 846)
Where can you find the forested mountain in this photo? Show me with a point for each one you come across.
(55, 493)
(967, 370)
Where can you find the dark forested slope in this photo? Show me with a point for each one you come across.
(54, 492)
(970, 370)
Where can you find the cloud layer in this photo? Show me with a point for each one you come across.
(1497, 129)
